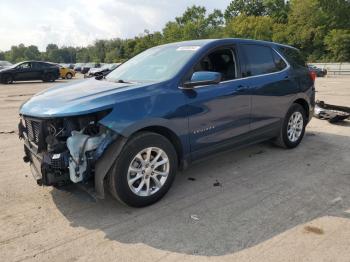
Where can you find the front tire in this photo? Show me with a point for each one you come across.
(7, 79)
(69, 76)
(144, 170)
(293, 127)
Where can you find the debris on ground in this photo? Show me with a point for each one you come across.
(7, 132)
(310, 134)
(194, 217)
(217, 183)
(257, 153)
(332, 113)
(337, 200)
(315, 230)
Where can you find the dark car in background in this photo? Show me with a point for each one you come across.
(4, 64)
(163, 109)
(30, 70)
(319, 72)
(88, 66)
(102, 71)
(78, 66)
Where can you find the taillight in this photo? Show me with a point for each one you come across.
(312, 75)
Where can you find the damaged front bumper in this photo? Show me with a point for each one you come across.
(69, 150)
(332, 113)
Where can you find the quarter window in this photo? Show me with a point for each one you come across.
(294, 57)
(279, 62)
(261, 60)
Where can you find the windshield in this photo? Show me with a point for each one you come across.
(15, 65)
(5, 63)
(156, 64)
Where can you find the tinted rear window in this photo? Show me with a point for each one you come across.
(261, 60)
(294, 57)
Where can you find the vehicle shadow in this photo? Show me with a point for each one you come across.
(229, 202)
(342, 123)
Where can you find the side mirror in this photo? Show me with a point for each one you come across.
(202, 78)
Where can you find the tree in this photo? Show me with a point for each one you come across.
(277, 10)
(99, 51)
(53, 53)
(32, 53)
(254, 27)
(338, 43)
(307, 27)
(244, 7)
(194, 24)
(337, 13)
(319, 28)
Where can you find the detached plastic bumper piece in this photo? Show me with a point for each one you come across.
(332, 113)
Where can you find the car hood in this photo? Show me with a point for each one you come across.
(78, 98)
(5, 68)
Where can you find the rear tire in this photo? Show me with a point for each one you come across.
(49, 77)
(144, 170)
(293, 127)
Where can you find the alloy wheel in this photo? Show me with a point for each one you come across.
(295, 126)
(148, 171)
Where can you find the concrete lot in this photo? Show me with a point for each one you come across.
(268, 204)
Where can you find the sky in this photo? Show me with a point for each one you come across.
(80, 22)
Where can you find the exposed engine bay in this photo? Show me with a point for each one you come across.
(64, 150)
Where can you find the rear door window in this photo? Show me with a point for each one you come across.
(261, 60)
(36, 65)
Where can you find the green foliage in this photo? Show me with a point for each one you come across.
(194, 24)
(338, 43)
(245, 7)
(254, 27)
(319, 28)
(277, 10)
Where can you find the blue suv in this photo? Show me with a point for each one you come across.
(163, 109)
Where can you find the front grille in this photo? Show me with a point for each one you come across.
(33, 130)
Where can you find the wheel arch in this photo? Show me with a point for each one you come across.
(305, 105)
(168, 134)
(103, 165)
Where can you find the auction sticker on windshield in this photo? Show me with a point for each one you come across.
(188, 48)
